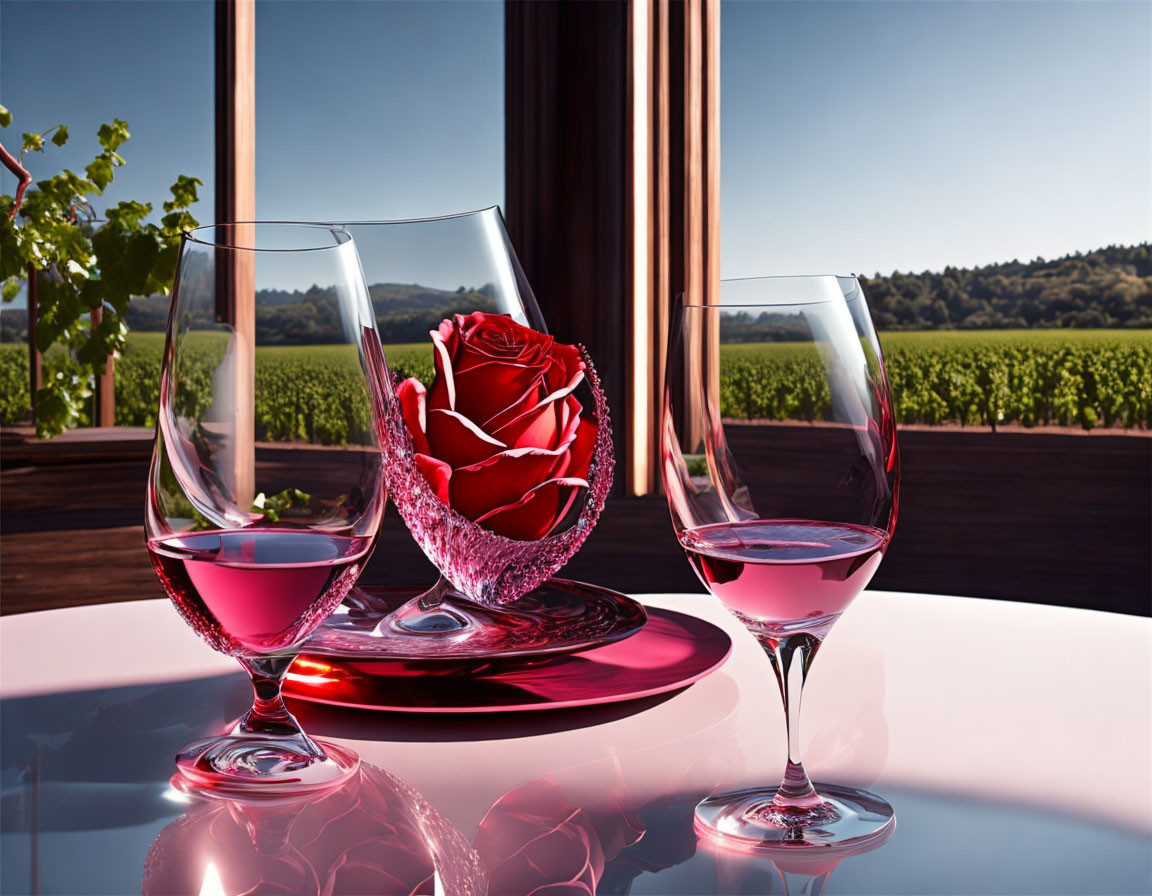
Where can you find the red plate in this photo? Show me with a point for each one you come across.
(671, 651)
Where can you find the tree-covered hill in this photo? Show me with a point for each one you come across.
(1109, 287)
(404, 313)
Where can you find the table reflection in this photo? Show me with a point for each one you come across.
(542, 837)
(553, 836)
(374, 834)
(802, 870)
(581, 832)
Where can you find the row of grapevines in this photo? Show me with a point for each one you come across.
(1032, 382)
(778, 382)
(13, 382)
(316, 396)
(311, 394)
(1059, 385)
(58, 365)
(1088, 379)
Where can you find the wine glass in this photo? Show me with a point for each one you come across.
(782, 474)
(493, 595)
(266, 489)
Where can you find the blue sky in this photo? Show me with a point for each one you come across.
(84, 63)
(856, 136)
(365, 110)
(871, 136)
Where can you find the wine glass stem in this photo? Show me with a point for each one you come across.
(269, 717)
(791, 657)
(434, 596)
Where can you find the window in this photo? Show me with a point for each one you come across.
(378, 110)
(83, 64)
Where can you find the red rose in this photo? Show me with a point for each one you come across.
(499, 435)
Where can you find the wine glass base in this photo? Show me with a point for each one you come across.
(746, 819)
(250, 765)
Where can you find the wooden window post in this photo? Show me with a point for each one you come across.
(236, 201)
(612, 172)
(104, 394)
(35, 361)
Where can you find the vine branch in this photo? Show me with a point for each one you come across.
(13, 164)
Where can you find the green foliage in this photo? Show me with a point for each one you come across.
(1090, 379)
(776, 381)
(84, 265)
(303, 393)
(1087, 379)
(60, 367)
(413, 359)
(275, 506)
(307, 394)
(13, 382)
(1110, 287)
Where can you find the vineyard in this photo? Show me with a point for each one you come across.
(1085, 378)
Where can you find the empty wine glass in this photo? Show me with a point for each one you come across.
(782, 475)
(266, 487)
(494, 595)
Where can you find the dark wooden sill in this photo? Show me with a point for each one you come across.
(1044, 517)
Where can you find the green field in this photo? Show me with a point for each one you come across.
(1085, 378)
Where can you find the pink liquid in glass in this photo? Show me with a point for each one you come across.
(776, 571)
(256, 591)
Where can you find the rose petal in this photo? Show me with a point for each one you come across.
(536, 429)
(581, 449)
(449, 333)
(537, 513)
(485, 390)
(438, 474)
(529, 401)
(501, 479)
(411, 395)
(496, 337)
(570, 421)
(565, 362)
(457, 440)
(550, 425)
(443, 391)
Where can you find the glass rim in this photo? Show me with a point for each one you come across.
(337, 230)
(777, 279)
(431, 219)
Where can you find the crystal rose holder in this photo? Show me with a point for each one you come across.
(484, 566)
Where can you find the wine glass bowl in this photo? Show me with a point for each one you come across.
(440, 287)
(782, 474)
(261, 513)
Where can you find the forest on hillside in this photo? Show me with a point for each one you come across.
(1105, 288)
(404, 313)
(1110, 287)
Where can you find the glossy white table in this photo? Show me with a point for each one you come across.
(1013, 740)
